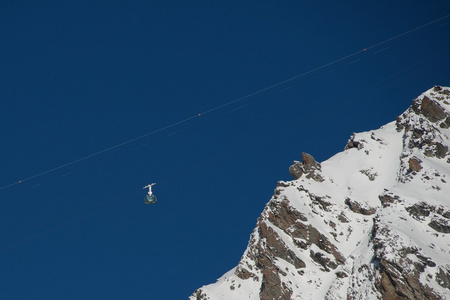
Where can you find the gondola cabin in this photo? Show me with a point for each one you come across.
(150, 199)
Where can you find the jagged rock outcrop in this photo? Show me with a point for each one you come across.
(352, 143)
(372, 222)
(308, 167)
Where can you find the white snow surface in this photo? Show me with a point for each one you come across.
(379, 167)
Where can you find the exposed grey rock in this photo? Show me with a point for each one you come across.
(322, 260)
(264, 254)
(369, 173)
(296, 170)
(272, 287)
(396, 279)
(358, 208)
(415, 164)
(199, 295)
(443, 278)
(440, 225)
(432, 110)
(342, 218)
(422, 123)
(277, 248)
(321, 202)
(352, 143)
(309, 162)
(426, 260)
(420, 210)
(243, 273)
(309, 167)
(284, 216)
(446, 123)
(446, 214)
(341, 274)
(441, 150)
(387, 199)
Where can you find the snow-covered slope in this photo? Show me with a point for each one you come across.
(371, 222)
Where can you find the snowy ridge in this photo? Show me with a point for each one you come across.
(371, 222)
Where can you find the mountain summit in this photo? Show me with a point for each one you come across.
(371, 222)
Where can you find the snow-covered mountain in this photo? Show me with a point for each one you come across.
(371, 222)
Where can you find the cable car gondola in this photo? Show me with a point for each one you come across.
(150, 198)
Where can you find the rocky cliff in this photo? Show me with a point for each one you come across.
(371, 222)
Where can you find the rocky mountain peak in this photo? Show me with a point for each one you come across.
(309, 166)
(371, 222)
(431, 109)
(424, 126)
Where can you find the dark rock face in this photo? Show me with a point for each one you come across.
(309, 162)
(308, 167)
(396, 279)
(388, 199)
(439, 218)
(369, 174)
(341, 274)
(440, 225)
(352, 143)
(270, 247)
(421, 124)
(420, 210)
(432, 110)
(296, 170)
(358, 208)
(446, 123)
(443, 278)
(272, 287)
(415, 164)
(446, 214)
(286, 215)
(277, 248)
(243, 273)
(199, 295)
(393, 284)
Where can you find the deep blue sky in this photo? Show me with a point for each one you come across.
(79, 77)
